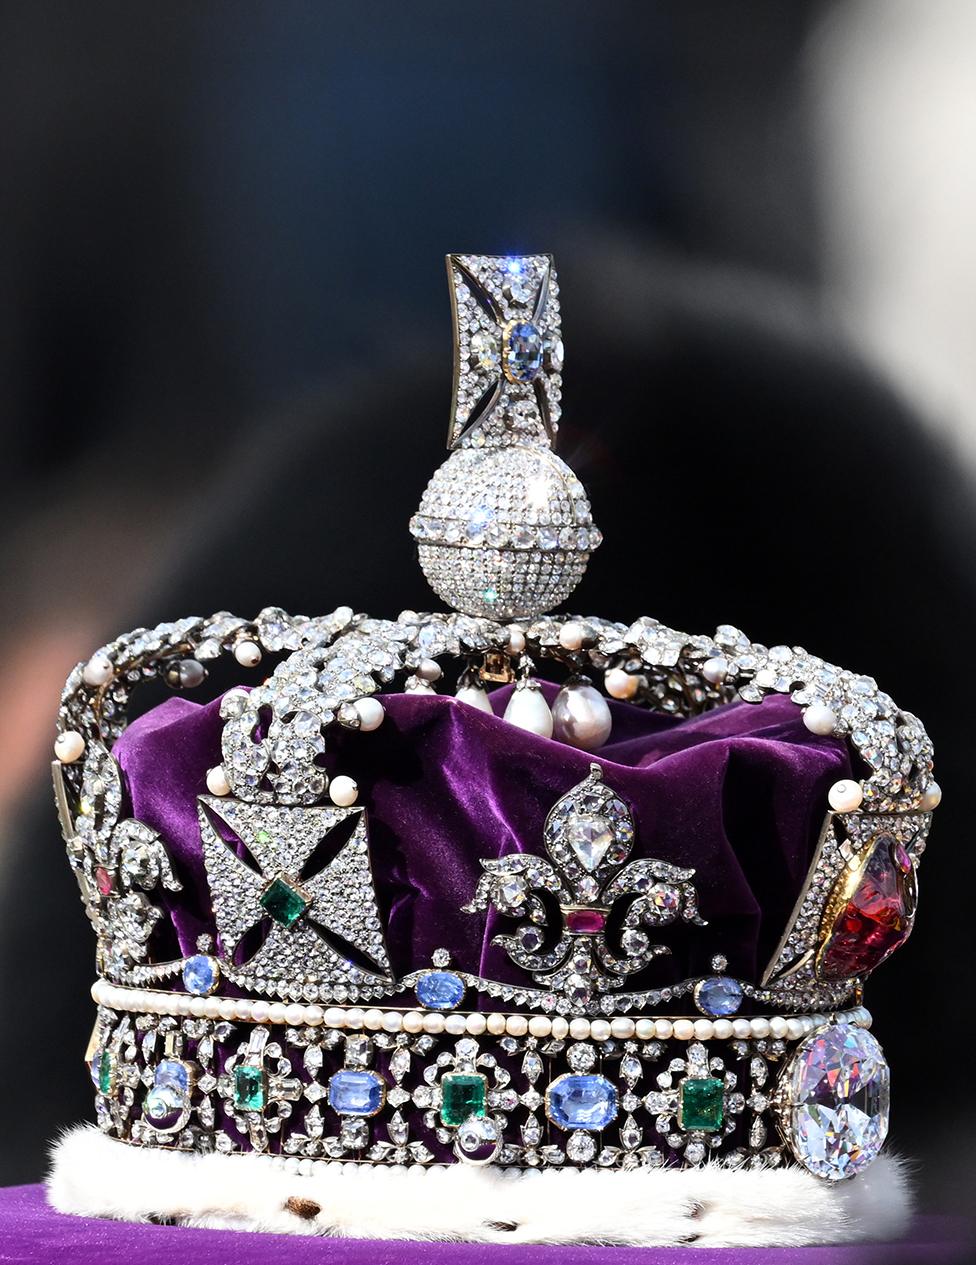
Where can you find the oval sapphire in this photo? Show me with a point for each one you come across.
(440, 990)
(718, 995)
(200, 974)
(582, 1102)
(523, 351)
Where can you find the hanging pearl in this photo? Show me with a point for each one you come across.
(343, 791)
(715, 670)
(69, 746)
(931, 797)
(516, 639)
(581, 715)
(819, 719)
(528, 709)
(428, 670)
(370, 712)
(475, 696)
(845, 796)
(247, 654)
(621, 684)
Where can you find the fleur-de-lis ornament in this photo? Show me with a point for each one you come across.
(587, 913)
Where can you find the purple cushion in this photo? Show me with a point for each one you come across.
(738, 793)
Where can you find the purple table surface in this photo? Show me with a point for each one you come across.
(32, 1231)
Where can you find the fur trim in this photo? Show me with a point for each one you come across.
(94, 1175)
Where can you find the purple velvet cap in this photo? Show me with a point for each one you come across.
(738, 793)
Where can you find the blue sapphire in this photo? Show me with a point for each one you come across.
(353, 1092)
(440, 990)
(582, 1102)
(523, 351)
(200, 974)
(718, 995)
(173, 1073)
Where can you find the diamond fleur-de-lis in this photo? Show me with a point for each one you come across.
(306, 883)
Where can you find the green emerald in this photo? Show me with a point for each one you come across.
(463, 1094)
(283, 902)
(249, 1086)
(106, 1072)
(702, 1104)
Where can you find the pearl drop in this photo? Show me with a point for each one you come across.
(571, 636)
(247, 654)
(715, 670)
(69, 746)
(845, 796)
(343, 791)
(516, 639)
(819, 719)
(370, 712)
(192, 673)
(98, 670)
(528, 709)
(621, 684)
(475, 696)
(931, 797)
(581, 716)
(217, 783)
(429, 670)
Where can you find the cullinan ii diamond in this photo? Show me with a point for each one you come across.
(836, 1093)
(589, 835)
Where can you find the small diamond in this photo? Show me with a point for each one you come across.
(163, 1101)
(581, 1148)
(485, 351)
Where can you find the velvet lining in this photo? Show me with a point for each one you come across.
(738, 793)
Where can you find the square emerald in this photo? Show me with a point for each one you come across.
(249, 1088)
(463, 1094)
(701, 1104)
(283, 901)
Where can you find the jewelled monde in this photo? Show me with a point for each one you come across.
(837, 1089)
(355, 1092)
(701, 1104)
(582, 1102)
(463, 1094)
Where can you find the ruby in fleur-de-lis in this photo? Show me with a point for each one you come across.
(568, 905)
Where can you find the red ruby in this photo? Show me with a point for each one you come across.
(876, 919)
(580, 922)
(103, 880)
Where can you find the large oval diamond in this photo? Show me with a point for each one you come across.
(835, 1108)
(868, 921)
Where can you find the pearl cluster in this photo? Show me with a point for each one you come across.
(622, 1027)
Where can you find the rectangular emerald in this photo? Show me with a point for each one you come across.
(284, 902)
(701, 1104)
(249, 1088)
(463, 1094)
(105, 1072)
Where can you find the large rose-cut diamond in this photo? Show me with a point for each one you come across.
(837, 1112)
(876, 918)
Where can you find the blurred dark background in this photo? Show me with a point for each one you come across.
(225, 374)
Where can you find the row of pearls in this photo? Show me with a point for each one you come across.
(297, 1015)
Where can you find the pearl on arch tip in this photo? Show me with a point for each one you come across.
(217, 783)
(715, 670)
(931, 797)
(343, 791)
(247, 654)
(69, 746)
(845, 796)
(621, 684)
(370, 712)
(98, 670)
(819, 719)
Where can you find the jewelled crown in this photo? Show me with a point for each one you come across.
(364, 909)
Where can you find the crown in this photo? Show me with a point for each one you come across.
(364, 910)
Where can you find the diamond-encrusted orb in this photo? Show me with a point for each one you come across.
(504, 532)
(837, 1092)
